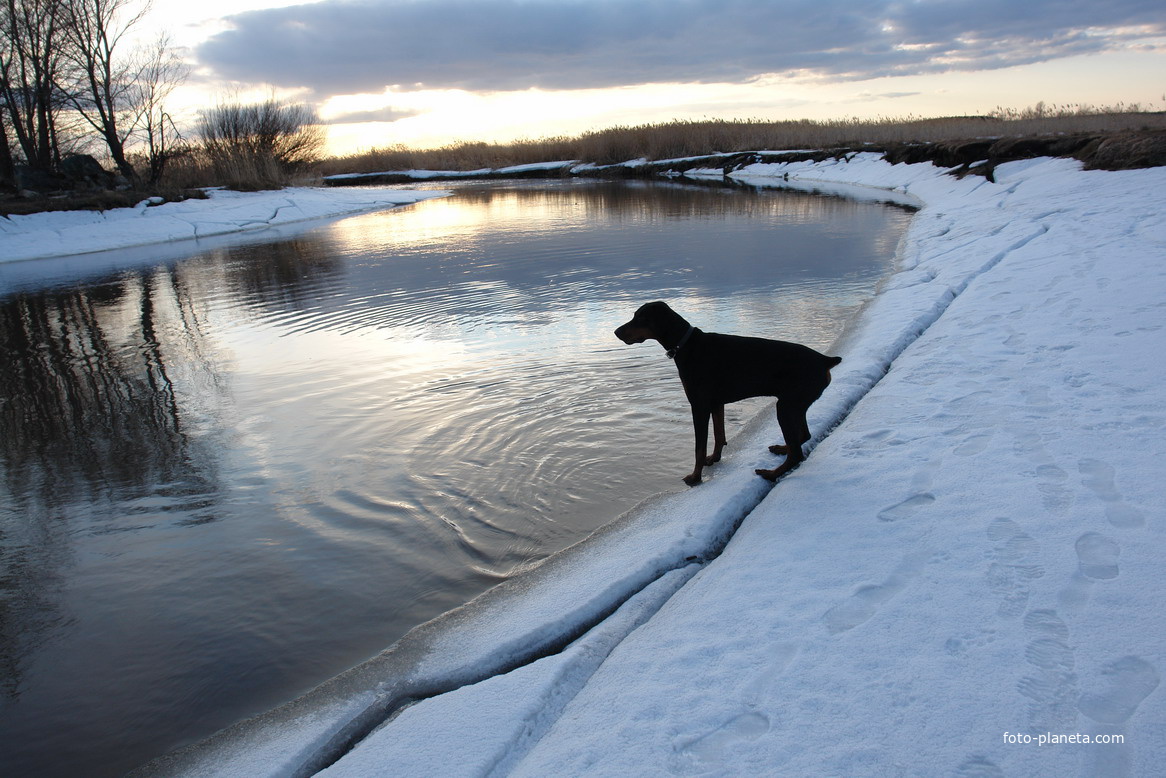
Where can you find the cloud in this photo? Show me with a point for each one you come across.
(885, 95)
(351, 46)
(387, 114)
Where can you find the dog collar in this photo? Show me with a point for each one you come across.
(671, 353)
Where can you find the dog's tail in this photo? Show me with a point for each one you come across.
(835, 361)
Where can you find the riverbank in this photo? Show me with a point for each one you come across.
(979, 155)
(971, 557)
(1039, 125)
(154, 221)
(223, 212)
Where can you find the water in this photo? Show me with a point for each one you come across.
(231, 475)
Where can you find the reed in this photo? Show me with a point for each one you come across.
(686, 138)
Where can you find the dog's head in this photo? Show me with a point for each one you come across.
(653, 321)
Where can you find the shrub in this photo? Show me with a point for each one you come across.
(260, 146)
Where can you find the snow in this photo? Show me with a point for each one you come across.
(968, 563)
(61, 233)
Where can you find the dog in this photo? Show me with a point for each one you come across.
(717, 369)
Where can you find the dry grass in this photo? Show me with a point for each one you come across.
(468, 155)
(684, 138)
(240, 170)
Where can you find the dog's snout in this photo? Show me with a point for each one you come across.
(629, 333)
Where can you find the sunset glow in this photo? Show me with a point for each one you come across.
(432, 72)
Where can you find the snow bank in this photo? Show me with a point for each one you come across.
(60, 233)
(970, 559)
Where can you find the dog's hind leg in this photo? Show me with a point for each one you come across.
(791, 417)
(803, 435)
(719, 439)
(799, 405)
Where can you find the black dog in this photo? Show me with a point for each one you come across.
(717, 369)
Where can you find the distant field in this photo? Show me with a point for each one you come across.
(694, 138)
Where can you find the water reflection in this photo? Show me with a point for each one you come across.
(514, 257)
(93, 437)
(90, 406)
(230, 476)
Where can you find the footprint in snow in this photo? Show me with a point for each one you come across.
(1048, 477)
(1015, 564)
(907, 508)
(1097, 556)
(978, 767)
(1098, 477)
(715, 749)
(974, 444)
(1052, 687)
(1124, 683)
(865, 602)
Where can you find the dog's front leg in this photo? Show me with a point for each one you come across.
(700, 427)
(719, 439)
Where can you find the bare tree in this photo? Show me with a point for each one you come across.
(31, 51)
(7, 162)
(102, 85)
(161, 71)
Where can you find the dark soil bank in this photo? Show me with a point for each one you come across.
(978, 156)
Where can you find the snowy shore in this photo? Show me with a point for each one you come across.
(60, 233)
(970, 561)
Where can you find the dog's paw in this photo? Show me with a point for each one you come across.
(779, 471)
(779, 449)
(692, 479)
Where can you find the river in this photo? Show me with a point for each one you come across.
(232, 474)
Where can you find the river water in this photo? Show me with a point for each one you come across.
(231, 474)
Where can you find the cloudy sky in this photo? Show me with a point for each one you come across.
(425, 72)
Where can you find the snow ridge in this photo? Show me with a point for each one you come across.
(492, 750)
(581, 650)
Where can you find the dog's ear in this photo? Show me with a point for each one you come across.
(653, 311)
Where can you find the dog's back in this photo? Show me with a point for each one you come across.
(727, 368)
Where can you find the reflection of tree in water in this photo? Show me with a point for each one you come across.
(96, 431)
(289, 275)
(662, 201)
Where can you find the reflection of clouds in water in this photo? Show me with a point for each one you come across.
(514, 257)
